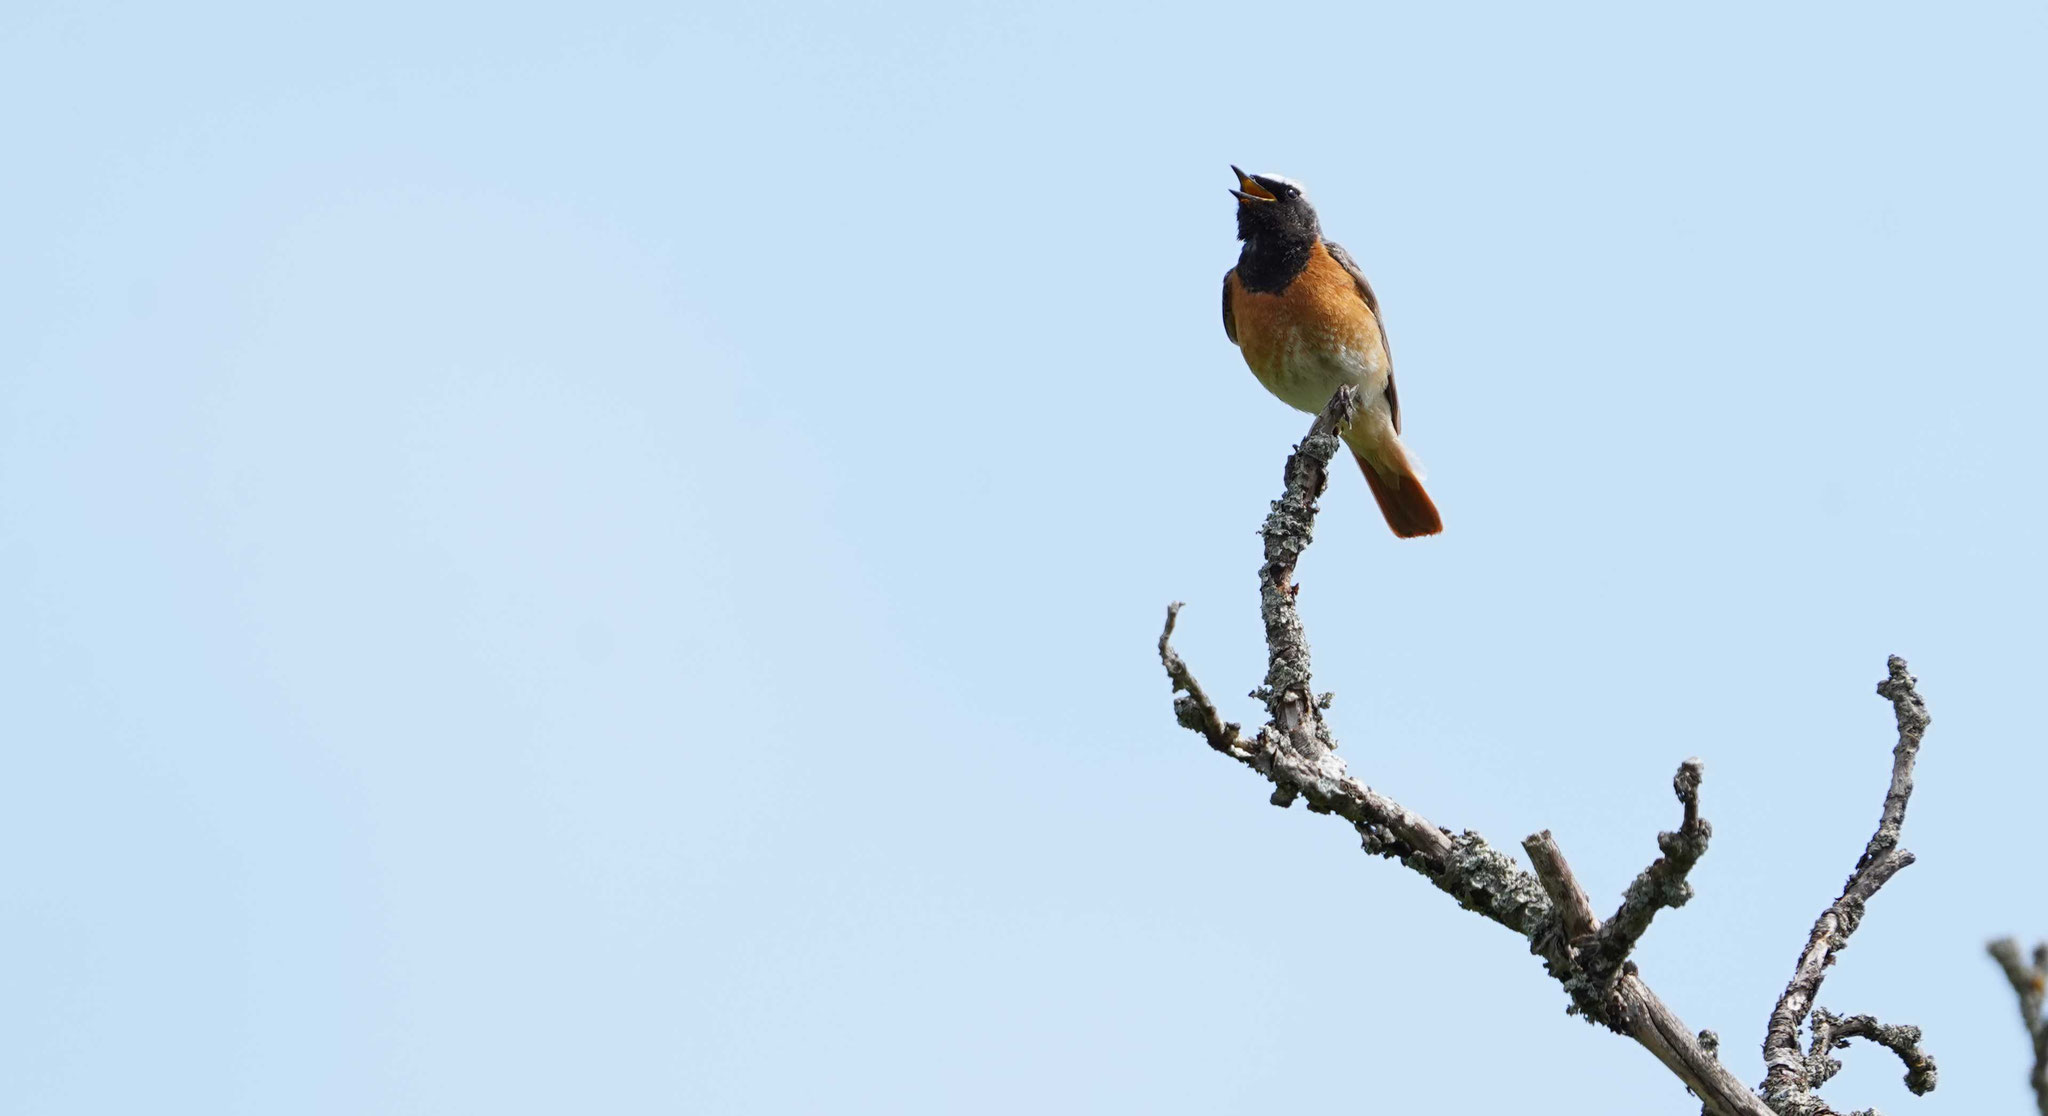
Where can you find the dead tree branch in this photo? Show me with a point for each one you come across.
(1660, 885)
(1832, 1032)
(1789, 1076)
(2029, 981)
(1297, 753)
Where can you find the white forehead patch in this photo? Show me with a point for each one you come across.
(1283, 180)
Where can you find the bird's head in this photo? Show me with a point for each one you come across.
(1271, 207)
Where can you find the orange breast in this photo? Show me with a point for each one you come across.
(1307, 340)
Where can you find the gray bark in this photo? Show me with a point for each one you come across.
(1297, 753)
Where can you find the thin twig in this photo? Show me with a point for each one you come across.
(1191, 706)
(1832, 1032)
(2029, 982)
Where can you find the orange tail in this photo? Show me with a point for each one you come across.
(1408, 509)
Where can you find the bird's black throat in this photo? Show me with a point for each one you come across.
(1272, 258)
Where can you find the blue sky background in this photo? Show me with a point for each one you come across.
(607, 560)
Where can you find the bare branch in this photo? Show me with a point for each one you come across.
(2029, 981)
(1684, 1053)
(1296, 752)
(1911, 714)
(1788, 1077)
(1574, 909)
(1660, 885)
(1625, 1002)
(1832, 1032)
(1191, 707)
(1288, 530)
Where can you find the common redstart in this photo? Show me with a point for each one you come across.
(1307, 322)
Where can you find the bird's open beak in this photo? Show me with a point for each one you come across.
(1249, 189)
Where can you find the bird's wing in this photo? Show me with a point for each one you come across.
(1229, 315)
(1372, 303)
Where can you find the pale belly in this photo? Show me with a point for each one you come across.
(1304, 367)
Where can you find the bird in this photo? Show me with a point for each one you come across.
(1299, 309)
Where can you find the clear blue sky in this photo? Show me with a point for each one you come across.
(608, 561)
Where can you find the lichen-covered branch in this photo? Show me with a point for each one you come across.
(2029, 983)
(1595, 952)
(1621, 999)
(1832, 1032)
(1296, 751)
(1660, 885)
(1788, 1076)
(1911, 714)
(1288, 530)
(1574, 909)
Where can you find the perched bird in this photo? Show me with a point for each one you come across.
(1307, 323)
